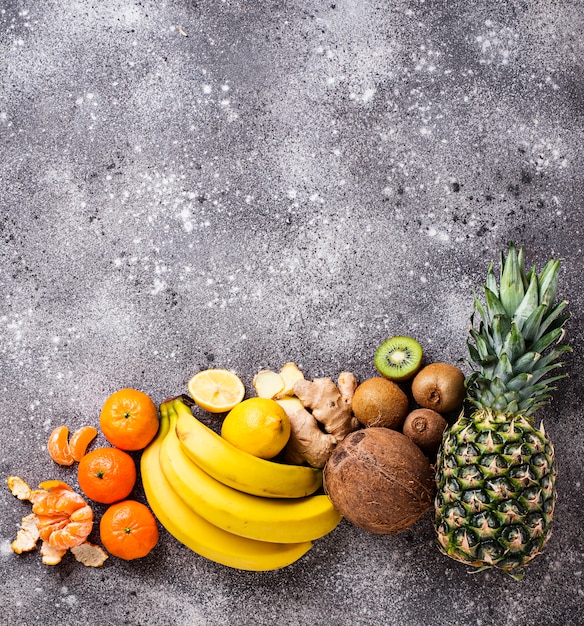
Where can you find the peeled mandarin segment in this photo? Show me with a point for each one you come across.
(58, 446)
(63, 518)
(216, 390)
(80, 440)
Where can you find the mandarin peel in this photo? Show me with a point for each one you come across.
(60, 519)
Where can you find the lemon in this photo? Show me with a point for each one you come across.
(259, 426)
(216, 390)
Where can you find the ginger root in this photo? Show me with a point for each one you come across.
(330, 404)
(277, 385)
(319, 411)
(307, 443)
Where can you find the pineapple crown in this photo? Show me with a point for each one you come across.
(511, 348)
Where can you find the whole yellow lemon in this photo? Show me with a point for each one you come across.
(258, 426)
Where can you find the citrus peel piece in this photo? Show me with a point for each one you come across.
(89, 554)
(19, 488)
(51, 556)
(60, 518)
(27, 536)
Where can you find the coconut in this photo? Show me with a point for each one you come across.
(379, 480)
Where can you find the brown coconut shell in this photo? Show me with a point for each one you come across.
(379, 480)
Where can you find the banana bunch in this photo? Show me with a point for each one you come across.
(227, 505)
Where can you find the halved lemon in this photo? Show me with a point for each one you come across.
(216, 390)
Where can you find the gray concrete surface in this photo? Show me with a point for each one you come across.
(237, 184)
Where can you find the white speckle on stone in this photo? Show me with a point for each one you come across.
(368, 94)
(159, 285)
(5, 549)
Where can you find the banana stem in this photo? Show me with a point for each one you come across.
(181, 398)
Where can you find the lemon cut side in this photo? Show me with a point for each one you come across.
(216, 390)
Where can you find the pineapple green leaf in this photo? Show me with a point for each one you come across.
(543, 371)
(548, 282)
(519, 382)
(511, 286)
(500, 327)
(503, 369)
(521, 264)
(529, 303)
(474, 353)
(514, 345)
(494, 306)
(478, 306)
(531, 326)
(497, 387)
(555, 319)
(481, 344)
(539, 390)
(553, 354)
(491, 282)
(527, 406)
(500, 403)
(527, 362)
(544, 342)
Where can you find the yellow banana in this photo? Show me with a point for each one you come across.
(238, 469)
(276, 520)
(197, 533)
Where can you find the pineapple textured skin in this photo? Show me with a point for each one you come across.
(496, 491)
(495, 470)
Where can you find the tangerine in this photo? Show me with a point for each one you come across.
(129, 419)
(128, 530)
(106, 475)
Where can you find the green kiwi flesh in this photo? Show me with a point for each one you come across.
(398, 358)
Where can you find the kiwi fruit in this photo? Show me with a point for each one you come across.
(380, 402)
(440, 387)
(425, 428)
(398, 358)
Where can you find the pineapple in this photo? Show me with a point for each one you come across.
(495, 470)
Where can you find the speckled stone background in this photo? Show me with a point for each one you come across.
(237, 184)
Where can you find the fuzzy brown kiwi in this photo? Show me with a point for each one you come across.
(398, 358)
(380, 402)
(425, 428)
(439, 386)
